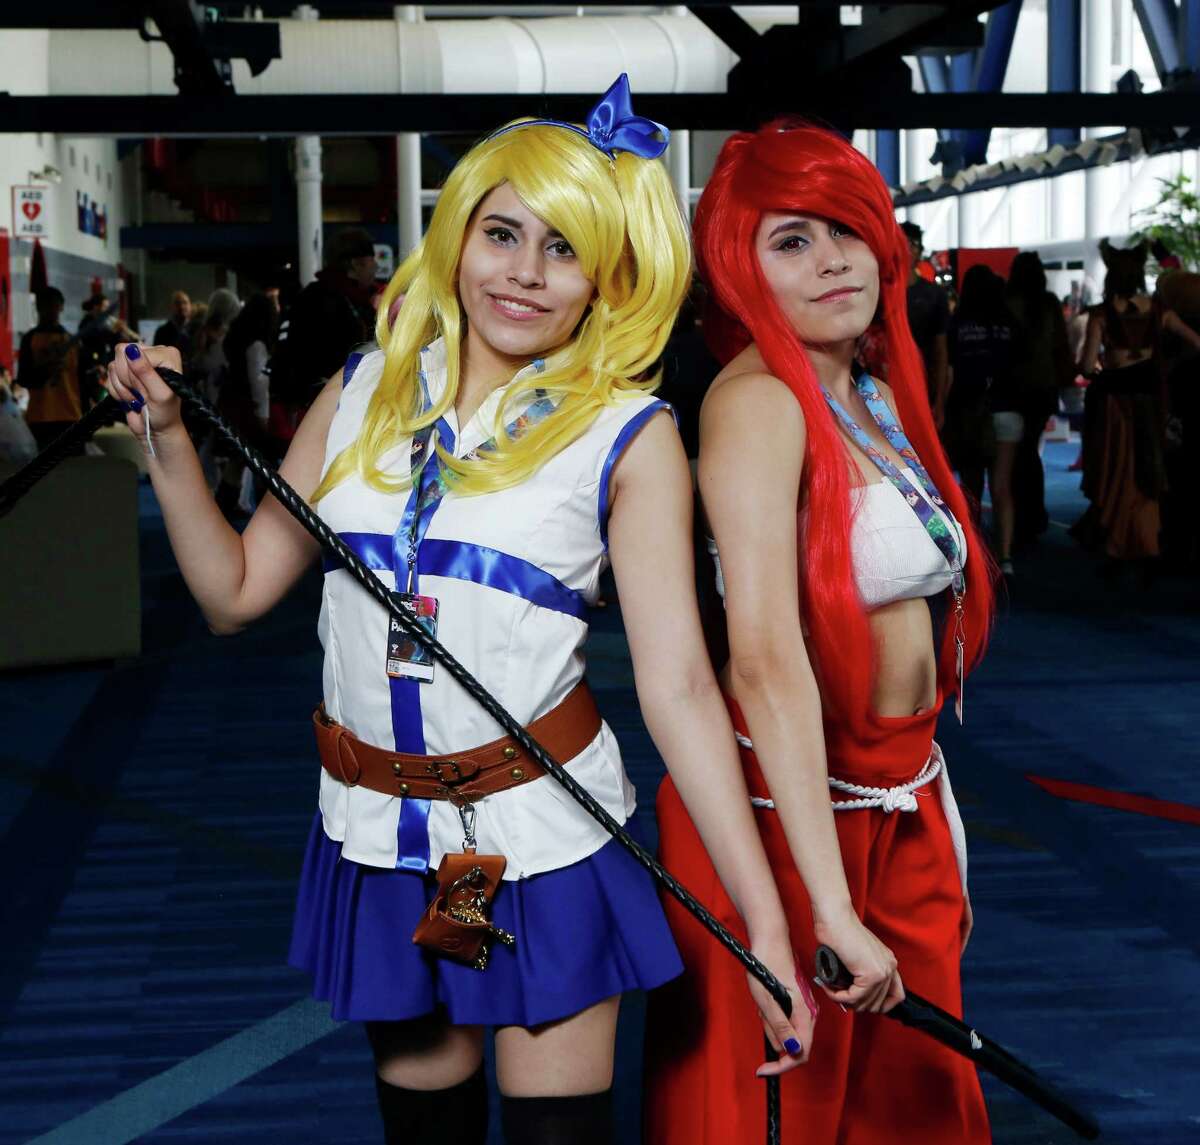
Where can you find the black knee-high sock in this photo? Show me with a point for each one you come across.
(586, 1120)
(454, 1116)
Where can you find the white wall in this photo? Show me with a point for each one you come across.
(88, 166)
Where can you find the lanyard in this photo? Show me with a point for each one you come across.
(429, 480)
(927, 513)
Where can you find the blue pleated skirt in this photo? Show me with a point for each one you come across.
(584, 933)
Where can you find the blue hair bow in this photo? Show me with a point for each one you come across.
(612, 126)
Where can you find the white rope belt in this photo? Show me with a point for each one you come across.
(887, 799)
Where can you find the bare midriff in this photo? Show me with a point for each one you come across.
(905, 668)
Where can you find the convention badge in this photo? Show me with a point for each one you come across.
(406, 658)
(960, 645)
(958, 672)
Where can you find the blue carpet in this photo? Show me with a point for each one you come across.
(152, 815)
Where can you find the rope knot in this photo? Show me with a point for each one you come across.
(896, 799)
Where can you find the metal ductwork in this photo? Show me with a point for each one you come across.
(661, 53)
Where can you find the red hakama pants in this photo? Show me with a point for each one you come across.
(869, 1081)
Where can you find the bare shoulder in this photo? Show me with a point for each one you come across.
(656, 446)
(747, 398)
(657, 432)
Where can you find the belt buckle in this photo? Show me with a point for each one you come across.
(450, 778)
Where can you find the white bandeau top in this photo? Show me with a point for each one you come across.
(894, 557)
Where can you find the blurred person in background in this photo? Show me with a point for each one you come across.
(983, 425)
(99, 332)
(174, 331)
(207, 361)
(207, 370)
(1041, 367)
(17, 444)
(1120, 331)
(328, 319)
(1124, 470)
(928, 319)
(244, 397)
(48, 367)
(247, 348)
(195, 324)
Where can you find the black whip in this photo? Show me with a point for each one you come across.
(24, 479)
(920, 1014)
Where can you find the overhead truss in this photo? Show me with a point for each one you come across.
(847, 76)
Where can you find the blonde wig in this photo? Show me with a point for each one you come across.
(623, 222)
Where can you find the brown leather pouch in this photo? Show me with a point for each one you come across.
(456, 924)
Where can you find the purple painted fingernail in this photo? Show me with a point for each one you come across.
(793, 1047)
(131, 351)
(138, 401)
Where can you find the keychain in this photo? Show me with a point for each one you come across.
(457, 925)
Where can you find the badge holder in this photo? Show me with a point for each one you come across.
(457, 925)
(960, 645)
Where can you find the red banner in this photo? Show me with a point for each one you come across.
(6, 305)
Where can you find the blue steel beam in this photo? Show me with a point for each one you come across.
(934, 74)
(887, 155)
(964, 68)
(1189, 34)
(1158, 19)
(1064, 64)
(989, 75)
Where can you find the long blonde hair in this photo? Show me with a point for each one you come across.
(622, 220)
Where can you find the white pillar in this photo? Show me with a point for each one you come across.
(679, 164)
(408, 192)
(308, 187)
(408, 163)
(1097, 77)
(1064, 207)
(971, 220)
(308, 205)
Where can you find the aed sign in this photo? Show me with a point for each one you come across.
(31, 212)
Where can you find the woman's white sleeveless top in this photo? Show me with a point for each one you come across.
(515, 573)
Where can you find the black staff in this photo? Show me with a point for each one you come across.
(923, 1015)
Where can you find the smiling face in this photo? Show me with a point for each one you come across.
(824, 277)
(519, 281)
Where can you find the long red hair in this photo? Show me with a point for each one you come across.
(789, 166)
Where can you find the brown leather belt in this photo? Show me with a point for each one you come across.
(464, 776)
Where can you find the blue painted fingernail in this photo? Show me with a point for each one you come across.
(793, 1047)
(131, 351)
(137, 403)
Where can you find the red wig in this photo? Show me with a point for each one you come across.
(789, 166)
